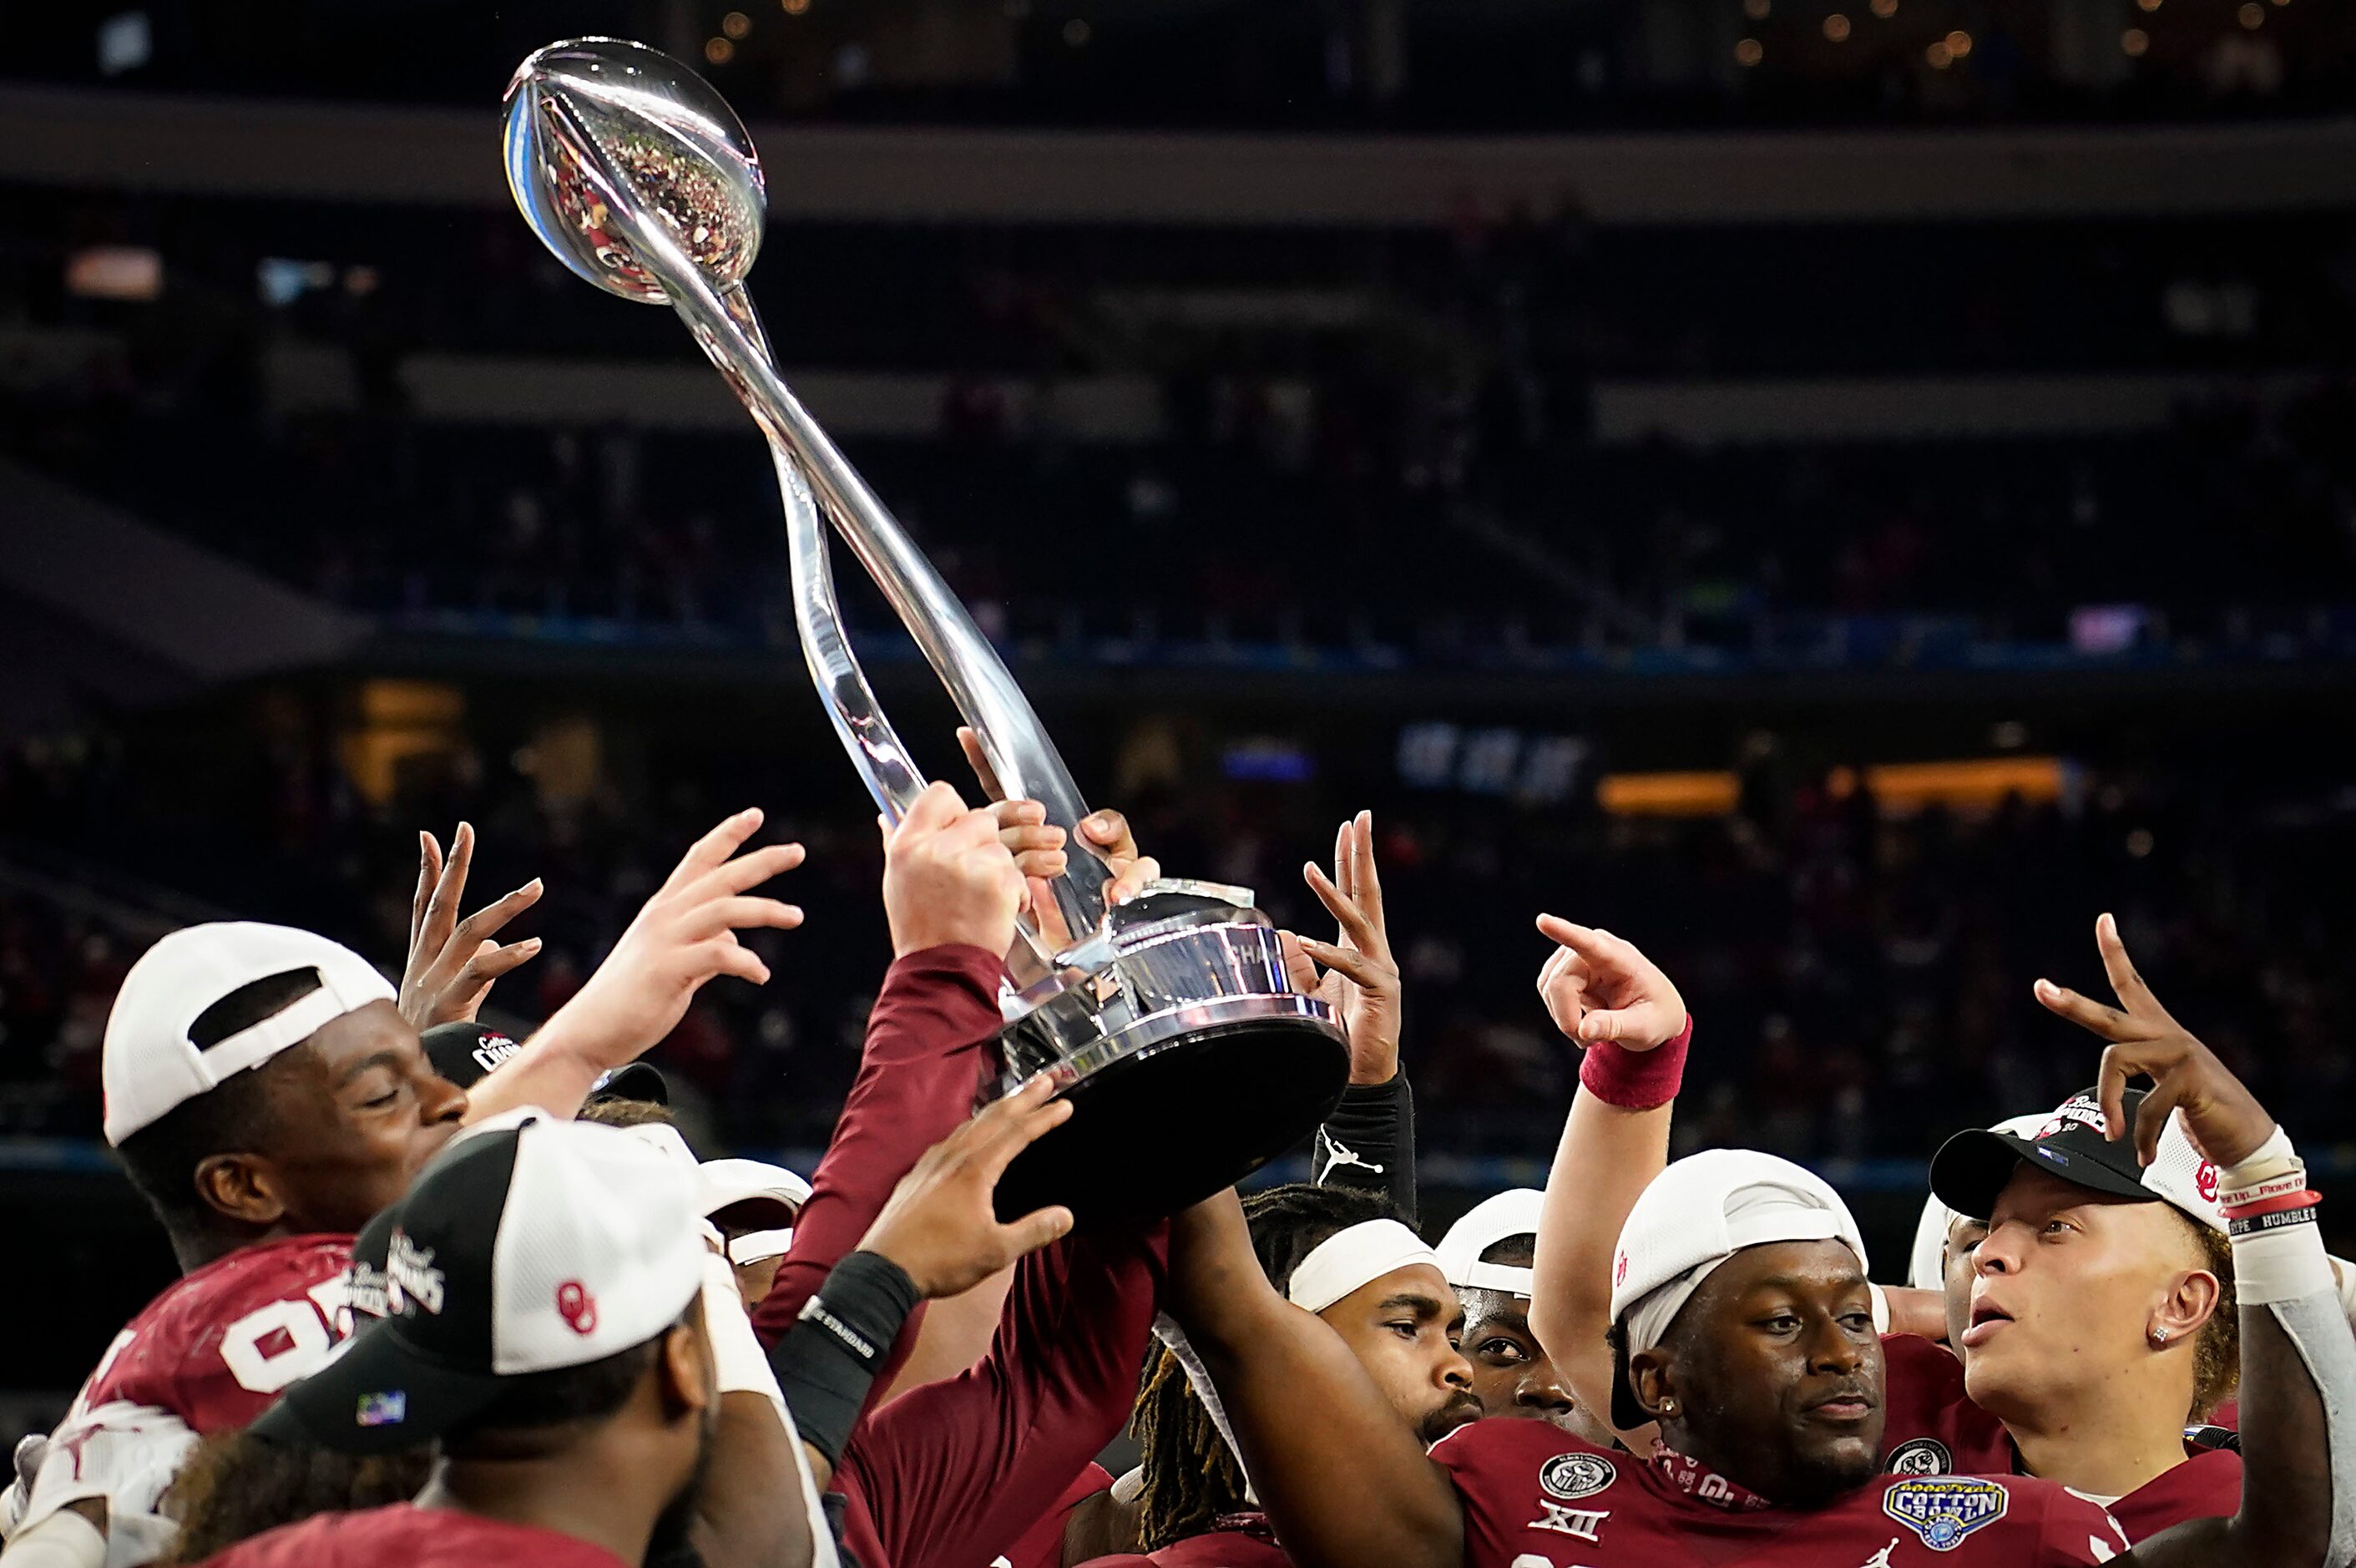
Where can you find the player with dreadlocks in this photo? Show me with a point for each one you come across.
(1343, 1255)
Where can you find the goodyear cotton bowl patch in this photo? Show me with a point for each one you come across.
(1943, 1510)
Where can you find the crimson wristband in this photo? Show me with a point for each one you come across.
(1636, 1081)
(2303, 1198)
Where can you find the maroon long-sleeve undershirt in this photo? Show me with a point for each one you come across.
(926, 1057)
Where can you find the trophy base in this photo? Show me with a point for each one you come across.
(1181, 1104)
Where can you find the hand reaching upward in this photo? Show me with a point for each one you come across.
(2226, 1120)
(1360, 979)
(1598, 987)
(452, 963)
(1040, 848)
(940, 1224)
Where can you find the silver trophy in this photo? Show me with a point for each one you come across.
(1190, 1055)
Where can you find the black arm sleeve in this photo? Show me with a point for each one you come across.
(1369, 1142)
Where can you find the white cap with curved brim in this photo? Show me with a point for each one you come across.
(1508, 1214)
(148, 1064)
(756, 1182)
(1695, 1216)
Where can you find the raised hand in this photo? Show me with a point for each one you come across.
(452, 963)
(685, 935)
(1040, 848)
(940, 1223)
(2226, 1120)
(948, 878)
(1598, 987)
(1360, 979)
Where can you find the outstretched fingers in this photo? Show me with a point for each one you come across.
(1298, 966)
(743, 912)
(429, 875)
(2133, 993)
(1355, 923)
(713, 849)
(1365, 971)
(744, 873)
(2086, 1013)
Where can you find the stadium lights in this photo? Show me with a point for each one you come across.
(1976, 784)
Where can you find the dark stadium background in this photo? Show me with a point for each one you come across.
(1838, 493)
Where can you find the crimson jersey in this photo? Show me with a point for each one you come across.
(1041, 1546)
(1934, 1429)
(2206, 1486)
(1535, 1497)
(406, 1536)
(209, 1355)
(1248, 1545)
(1930, 1427)
(218, 1344)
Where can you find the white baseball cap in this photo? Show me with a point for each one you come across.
(766, 1191)
(750, 1192)
(1509, 1214)
(1696, 1215)
(149, 1065)
(1926, 1267)
(530, 1249)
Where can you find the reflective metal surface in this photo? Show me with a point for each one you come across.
(642, 179)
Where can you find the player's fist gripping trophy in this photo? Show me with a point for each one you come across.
(1188, 1054)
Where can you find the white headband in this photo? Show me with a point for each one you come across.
(1352, 1259)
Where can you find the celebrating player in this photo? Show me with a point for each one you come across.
(268, 1096)
(1337, 1253)
(1744, 1322)
(1487, 1256)
(2112, 1343)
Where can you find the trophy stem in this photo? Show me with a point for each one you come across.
(892, 777)
(1014, 742)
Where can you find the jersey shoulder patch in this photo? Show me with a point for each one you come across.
(1920, 1456)
(1576, 1475)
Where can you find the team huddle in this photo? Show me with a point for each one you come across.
(448, 1297)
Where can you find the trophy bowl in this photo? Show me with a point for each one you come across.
(1192, 1059)
(1169, 1020)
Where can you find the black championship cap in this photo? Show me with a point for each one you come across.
(524, 1249)
(641, 1082)
(1971, 1168)
(462, 1053)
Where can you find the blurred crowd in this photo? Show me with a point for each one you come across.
(1355, 63)
(1449, 414)
(1857, 974)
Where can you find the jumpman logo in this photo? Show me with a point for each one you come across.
(1881, 1558)
(1338, 1154)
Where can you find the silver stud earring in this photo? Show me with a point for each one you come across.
(1668, 1407)
(2159, 1338)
